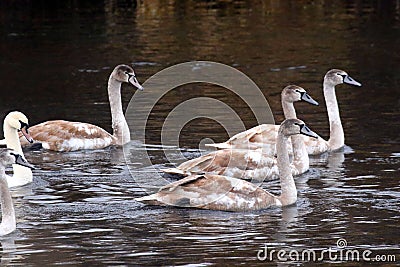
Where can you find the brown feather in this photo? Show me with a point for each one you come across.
(55, 133)
(213, 192)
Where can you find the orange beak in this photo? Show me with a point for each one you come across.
(28, 137)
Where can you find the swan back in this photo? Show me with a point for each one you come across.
(214, 192)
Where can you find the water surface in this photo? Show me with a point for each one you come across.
(55, 61)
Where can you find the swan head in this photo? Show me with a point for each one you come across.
(336, 76)
(125, 74)
(294, 93)
(295, 126)
(18, 121)
(8, 157)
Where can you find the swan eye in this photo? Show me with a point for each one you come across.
(299, 124)
(129, 74)
(13, 154)
(23, 125)
(341, 75)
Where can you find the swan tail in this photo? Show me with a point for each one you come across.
(149, 199)
(219, 145)
(174, 171)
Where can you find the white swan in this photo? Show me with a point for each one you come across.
(15, 122)
(7, 157)
(215, 192)
(261, 135)
(257, 164)
(60, 135)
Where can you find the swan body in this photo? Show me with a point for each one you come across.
(239, 163)
(8, 223)
(258, 163)
(263, 137)
(265, 134)
(60, 135)
(15, 122)
(216, 192)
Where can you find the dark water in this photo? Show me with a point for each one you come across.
(55, 58)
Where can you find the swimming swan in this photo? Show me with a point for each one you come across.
(260, 135)
(215, 192)
(7, 157)
(15, 122)
(257, 164)
(60, 135)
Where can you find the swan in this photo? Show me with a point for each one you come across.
(15, 122)
(61, 135)
(7, 157)
(257, 164)
(216, 192)
(261, 135)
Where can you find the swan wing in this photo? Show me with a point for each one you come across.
(263, 135)
(315, 146)
(60, 135)
(240, 163)
(213, 192)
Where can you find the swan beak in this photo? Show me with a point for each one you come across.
(24, 131)
(21, 161)
(307, 98)
(347, 79)
(134, 82)
(306, 131)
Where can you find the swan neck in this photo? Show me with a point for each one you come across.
(288, 110)
(336, 139)
(119, 124)
(22, 175)
(300, 154)
(8, 223)
(12, 138)
(288, 187)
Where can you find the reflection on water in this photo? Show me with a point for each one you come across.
(80, 208)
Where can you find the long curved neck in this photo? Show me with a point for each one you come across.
(119, 124)
(300, 154)
(12, 141)
(12, 138)
(288, 110)
(8, 223)
(336, 139)
(288, 187)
